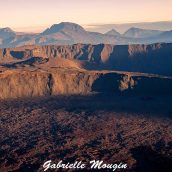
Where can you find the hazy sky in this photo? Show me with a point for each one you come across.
(34, 15)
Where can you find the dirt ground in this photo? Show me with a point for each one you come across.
(129, 129)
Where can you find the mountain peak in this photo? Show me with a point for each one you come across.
(63, 26)
(6, 29)
(6, 33)
(135, 29)
(113, 32)
(141, 33)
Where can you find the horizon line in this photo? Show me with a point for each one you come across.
(40, 28)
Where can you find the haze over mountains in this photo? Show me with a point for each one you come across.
(67, 33)
(123, 27)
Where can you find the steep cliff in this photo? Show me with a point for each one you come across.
(155, 58)
(19, 84)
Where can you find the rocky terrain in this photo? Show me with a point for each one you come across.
(32, 71)
(153, 58)
(84, 102)
(132, 129)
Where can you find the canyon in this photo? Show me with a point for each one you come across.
(31, 71)
(86, 102)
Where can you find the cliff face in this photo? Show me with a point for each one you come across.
(23, 84)
(16, 84)
(155, 58)
(59, 70)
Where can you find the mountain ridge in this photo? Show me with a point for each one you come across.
(113, 32)
(141, 33)
(66, 33)
(132, 58)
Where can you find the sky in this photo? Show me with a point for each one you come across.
(36, 15)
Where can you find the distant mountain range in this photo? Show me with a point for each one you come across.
(67, 33)
(123, 27)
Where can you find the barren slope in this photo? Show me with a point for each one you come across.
(134, 130)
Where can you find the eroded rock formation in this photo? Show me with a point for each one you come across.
(155, 58)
